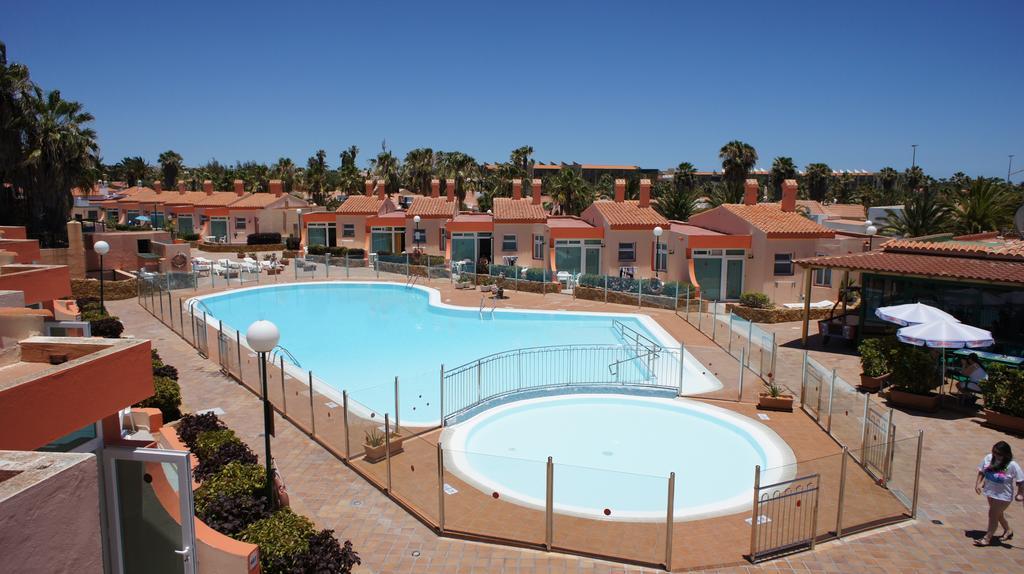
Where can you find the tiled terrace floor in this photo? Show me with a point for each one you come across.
(387, 536)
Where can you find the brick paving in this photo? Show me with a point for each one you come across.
(388, 537)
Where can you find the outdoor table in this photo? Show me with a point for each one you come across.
(992, 357)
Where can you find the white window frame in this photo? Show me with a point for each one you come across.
(348, 230)
(538, 247)
(822, 275)
(505, 240)
(631, 248)
(242, 226)
(775, 263)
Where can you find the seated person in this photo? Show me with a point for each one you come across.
(975, 373)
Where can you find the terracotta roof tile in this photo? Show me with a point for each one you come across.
(775, 223)
(628, 214)
(258, 200)
(431, 207)
(846, 211)
(997, 249)
(938, 266)
(510, 210)
(361, 205)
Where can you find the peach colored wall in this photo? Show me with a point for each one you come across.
(759, 271)
(644, 239)
(74, 395)
(433, 227)
(270, 221)
(124, 248)
(167, 251)
(361, 240)
(524, 233)
(25, 250)
(54, 525)
(722, 221)
(40, 284)
(13, 232)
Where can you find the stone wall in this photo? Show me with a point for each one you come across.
(657, 301)
(112, 290)
(521, 285)
(235, 248)
(781, 314)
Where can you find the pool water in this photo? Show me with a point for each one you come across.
(613, 454)
(360, 336)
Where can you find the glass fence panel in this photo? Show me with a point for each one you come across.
(616, 514)
(784, 518)
(904, 468)
(329, 417)
(816, 380)
(414, 471)
(368, 441)
(497, 496)
(847, 423)
(869, 499)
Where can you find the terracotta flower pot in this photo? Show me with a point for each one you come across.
(1004, 422)
(928, 403)
(872, 384)
(377, 453)
(780, 403)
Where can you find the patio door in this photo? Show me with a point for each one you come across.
(592, 258)
(709, 276)
(149, 509)
(219, 227)
(733, 278)
(185, 225)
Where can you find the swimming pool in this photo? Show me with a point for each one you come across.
(613, 454)
(359, 336)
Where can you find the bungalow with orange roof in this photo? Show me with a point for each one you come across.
(779, 235)
(520, 226)
(470, 237)
(215, 216)
(628, 236)
(356, 217)
(426, 217)
(272, 212)
(710, 260)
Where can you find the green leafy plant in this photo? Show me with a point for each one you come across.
(773, 389)
(106, 327)
(374, 437)
(232, 451)
(877, 354)
(1004, 390)
(235, 478)
(166, 397)
(325, 554)
(230, 513)
(283, 538)
(755, 300)
(209, 442)
(192, 425)
(914, 370)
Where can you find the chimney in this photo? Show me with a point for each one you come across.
(620, 190)
(276, 187)
(158, 186)
(239, 187)
(381, 190)
(535, 187)
(368, 186)
(645, 193)
(181, 187)
(789, 195)
(435, 188)
(449, 188)
(208, 187)
(517, 189)
(750, 189)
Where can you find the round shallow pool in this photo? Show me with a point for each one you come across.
(613, 454)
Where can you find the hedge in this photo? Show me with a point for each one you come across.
(192, 425)
(263, 239)
(1004, 390)
(646, 286)
(755, 300)
(166, 397)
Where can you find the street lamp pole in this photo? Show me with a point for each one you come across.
(657, 249)
(416, 232)
(101, 248)
(262, 337)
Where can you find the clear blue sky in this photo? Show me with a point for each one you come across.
(852, 85)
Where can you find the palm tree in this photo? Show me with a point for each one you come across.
(350, 179)
(817, 178)
(923, 214)
(738, 158)
(988, 205)
(316, 177)
(913, 178)
(419, 169)
(171, 163)
(458, 166)
(284, 169)
(17, 93)
(522, 160)
(783, 168)
(685, 176)
(720, 193)
(605, 188)
(134, 169)
(570, 192)
(676, 202)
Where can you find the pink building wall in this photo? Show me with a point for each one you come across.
(524, 233)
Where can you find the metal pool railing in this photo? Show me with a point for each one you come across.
(501, 374)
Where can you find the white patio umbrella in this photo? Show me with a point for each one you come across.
(912, 314)
(945, 335)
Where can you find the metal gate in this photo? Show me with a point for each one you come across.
(199, 324)
(814, 381)
(222, 350)
(877, 442)
(785, 516)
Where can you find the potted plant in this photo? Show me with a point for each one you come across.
(375, 444)
(774, 399)
(914, 375)
(875, 362)
(1004, 398)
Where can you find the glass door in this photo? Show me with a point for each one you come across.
(733, 278)
(185, 225)
(219, 228)
(592, 260)
(708, 271)
(149, 508)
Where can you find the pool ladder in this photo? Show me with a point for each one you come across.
(483, 303)
(279, 351)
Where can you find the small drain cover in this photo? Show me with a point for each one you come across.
(415, 553)
(607, 453)
(357, 503)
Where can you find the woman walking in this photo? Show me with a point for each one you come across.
(996, 477)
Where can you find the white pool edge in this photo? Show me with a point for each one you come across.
(780, 463)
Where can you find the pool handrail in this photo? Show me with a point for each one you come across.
(279, 350)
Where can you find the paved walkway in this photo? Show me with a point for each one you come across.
(390, 540)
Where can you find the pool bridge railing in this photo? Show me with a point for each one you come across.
(602, 366)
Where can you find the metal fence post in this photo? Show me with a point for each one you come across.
(742, 356)
(714, 322)
(387, 449)
(729, 350)
(754, 516)
(682, 367)
(750, 336)
(687, 303)
(803, 379)
(917, 474)
(346, 265)
(284, 393)
(406, 265)
(864, 433)
(549, 506)
(605, 288)
(181, 318)
(344, 416)
(670, 520)
(442, 395)
(831, 393)
(775, 351)
(238, 347)
(700, 314)
(479, 383)
(842, 493)
(312, 413)
(397, 424)
(639, 293)
(440, 488)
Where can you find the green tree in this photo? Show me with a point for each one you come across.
(419, 169)
(284, 170)
(913, 179)
(738, 158)
(316, 177)
(385, 167)
(350, 179)
(923, 214)
(522, 160)
(987, 205)
(134, 169)
(569, 191)
(685, 176)
(720, 193)
(783, 168)
(170, 166)
(677, 202)
(17, 117)
(460, 167)
(817, 179)
(605, 188)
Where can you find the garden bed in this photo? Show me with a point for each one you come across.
(236, 247)
(112, 290)
(778, 314)
(624, 298)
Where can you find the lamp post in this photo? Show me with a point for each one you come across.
(416, 232)
(871, 230)
(101, 248)
(657, 247)
(299, 213)
(262, 337)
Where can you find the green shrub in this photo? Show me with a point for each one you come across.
(356, 253)
(192, 425)
(537, 274)
(226, 454)
(283, 538)
(755, 300)
(230, 513)
(208, 442)
(106, 327)
(877, 355)
(166, 397)
(1004, 390)
(316, 249)
(914, 370)
(326, 555)
(189, 236)
(234, 478)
